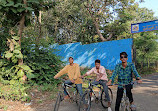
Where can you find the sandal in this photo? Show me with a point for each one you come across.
(133, 107)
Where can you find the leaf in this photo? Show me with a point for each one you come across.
(20, 73)
(25, 67)
(29, 8)
(15, 37)
(8, 55)
(14, 42)
(3, 2)
(6, 9)
(33, 1)
(13, 10)
(17, 47)
(17, 51)
(14, 59)
(20, 9)
(17, 5)
(19, 56)
(30, 76)
(17, 68)
(11, 3)
(12, 82)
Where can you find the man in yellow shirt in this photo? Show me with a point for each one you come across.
(73, 72)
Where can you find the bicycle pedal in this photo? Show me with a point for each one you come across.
(96, 100)
(71, 100)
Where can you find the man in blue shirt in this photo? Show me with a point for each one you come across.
(124, 71)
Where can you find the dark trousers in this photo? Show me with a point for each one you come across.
(120, 95)
(105, 87)
(79, 87)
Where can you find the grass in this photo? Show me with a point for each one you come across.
(40, 101)
(4, 107)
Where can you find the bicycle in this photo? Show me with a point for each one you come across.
(125, 105)
(75, 97)
(86, 98)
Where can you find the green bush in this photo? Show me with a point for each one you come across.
(11, 74)
(43, 62)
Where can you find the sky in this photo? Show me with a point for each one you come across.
(150, 4)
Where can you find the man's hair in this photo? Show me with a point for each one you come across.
(71, 58)
(123, 53)
(97, 61)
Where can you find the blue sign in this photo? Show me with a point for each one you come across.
(144, 26)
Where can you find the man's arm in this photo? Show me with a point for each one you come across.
(135, 72)
(62, 72)
(113, 76)
(137, 76)
(88, 73)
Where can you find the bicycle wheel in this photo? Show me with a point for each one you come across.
(104, 101)
(124, 105)
(85, 102)
(59, 99)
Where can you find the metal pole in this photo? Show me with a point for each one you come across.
(133, 51)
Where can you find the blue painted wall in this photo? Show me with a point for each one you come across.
(85, 55)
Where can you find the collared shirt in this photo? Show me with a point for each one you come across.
(124, 74)
(101, 70)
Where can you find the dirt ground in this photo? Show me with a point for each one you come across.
(145, 97)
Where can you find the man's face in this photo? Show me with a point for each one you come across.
(97, 65)
(123, 58)
(71, 60)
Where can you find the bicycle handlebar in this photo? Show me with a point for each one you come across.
(133, 82)
(88, 79)
(61, 79)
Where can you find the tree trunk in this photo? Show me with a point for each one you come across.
(98, 31)
(148, 63)
(39, 30)
(21, 27)
(39, 19)
(142, 65)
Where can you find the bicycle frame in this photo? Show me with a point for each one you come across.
(69, 86)
(90, 87)
(124, 101)
(100, 90)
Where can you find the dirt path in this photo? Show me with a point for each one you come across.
(145, 97)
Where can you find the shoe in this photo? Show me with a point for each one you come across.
(133, 107)
(109, 109)
(85, 107)
(92, 98)
(66, 97)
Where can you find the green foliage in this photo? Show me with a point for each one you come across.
(13, 9)
(146, 47)
(41, 61)
(11, 74)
